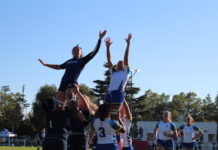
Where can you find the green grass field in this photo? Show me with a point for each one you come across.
(17, 148)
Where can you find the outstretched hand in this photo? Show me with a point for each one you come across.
(102, 34)
(42, 62)
(128, 38)
(108, 41)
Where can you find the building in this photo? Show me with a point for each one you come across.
(146, 130)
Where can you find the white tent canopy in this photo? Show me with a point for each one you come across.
(6, 133)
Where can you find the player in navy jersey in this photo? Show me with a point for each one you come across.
(56, 135)
(165, 132)
(118, 78)
(189, 133)
(77, 120)
(73, 67)
(105, 129)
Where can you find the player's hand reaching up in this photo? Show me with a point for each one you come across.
(102, 34)
(128, 38)
(108, 41)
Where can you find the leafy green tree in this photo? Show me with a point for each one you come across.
(151, 105)
(187, 104)
(38, 116)
(11, 109)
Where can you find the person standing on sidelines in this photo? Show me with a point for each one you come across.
(188, 133)
(73, 67)
(105, 129)
(165, 132)
(41, 137)
(126, 118)
(118, 78)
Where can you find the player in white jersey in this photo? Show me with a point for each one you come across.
(126, 118)
(189, 133)
(105, 129)
(165, 132)
(118, 79)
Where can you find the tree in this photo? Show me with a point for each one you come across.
(11, 109)
(187, 104)
(38, 116)
(151, 105)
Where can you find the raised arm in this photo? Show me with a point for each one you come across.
(126, 63)
(122, 127)
(109, 59)
(81, 97)
(57, 67)
(127, 110)
(88, 57)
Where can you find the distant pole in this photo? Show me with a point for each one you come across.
(133, 72)
(23, 89)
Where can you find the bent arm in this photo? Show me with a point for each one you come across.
(127, 110)
(200, 133)
(122, 128)
(81, 97)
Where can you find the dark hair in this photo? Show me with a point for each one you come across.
(103, 111)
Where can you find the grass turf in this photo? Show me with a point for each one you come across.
(18, 148)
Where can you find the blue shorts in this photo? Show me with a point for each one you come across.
(115, 97)
(188, 145)
(165, 143)
(112, 146)
(128, 148)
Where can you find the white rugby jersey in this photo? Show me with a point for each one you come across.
(127, 140)
(188, 133)
(118, 79)
(105, 130)
(168, 128)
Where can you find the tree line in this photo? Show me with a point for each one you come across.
(147, 107)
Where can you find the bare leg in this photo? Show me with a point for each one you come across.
(60, 96)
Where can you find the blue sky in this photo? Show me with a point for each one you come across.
(174, 42)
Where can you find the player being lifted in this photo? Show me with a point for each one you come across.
(118, 78)
(73, 67)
